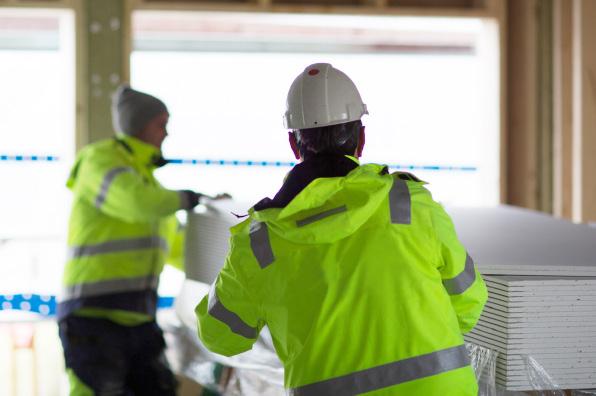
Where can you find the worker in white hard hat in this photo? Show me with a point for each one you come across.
(357, 272)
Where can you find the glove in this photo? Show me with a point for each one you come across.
(189, 199)
(221, 196)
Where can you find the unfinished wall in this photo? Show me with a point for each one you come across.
(551, 101)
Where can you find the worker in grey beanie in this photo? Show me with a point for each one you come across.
(132, 110)
(126, 219)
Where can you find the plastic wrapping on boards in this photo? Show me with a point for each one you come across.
(484, 363)
(539, 379)
(247, 382)
(186, 359)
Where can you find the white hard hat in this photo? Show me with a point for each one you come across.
(321, 96)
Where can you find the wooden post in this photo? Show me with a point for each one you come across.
(529, 91)
(584, 111)
(522, 172)
(104, 43)
(562, 108)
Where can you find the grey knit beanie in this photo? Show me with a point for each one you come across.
(132, 110)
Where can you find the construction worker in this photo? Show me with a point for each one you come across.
(122, 230)
(357, 272)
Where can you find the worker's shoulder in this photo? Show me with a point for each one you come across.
(103, 152)
(242, 229)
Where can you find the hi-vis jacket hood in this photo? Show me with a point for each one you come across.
(361, 280)
(348, 202)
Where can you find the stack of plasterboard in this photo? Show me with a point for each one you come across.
(550, 319)
(541, 276)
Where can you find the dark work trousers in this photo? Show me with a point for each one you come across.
(117, 360)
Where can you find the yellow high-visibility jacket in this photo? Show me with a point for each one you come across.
(122, 229)
(362, 283)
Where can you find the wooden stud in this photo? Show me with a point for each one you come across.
(366, 7)
(522, 181)
(562, 109)
(584, 111)
(544, 122)
(107, 60)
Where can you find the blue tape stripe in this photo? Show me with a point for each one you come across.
(223, 162)
(29, 158)
(191, 161)
(46, 305)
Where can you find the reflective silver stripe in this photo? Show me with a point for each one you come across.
(389, 374)
(236, 324)
(107, 181)
(321, 216)
(110, 286)
(118, 245)
(399, 202)
(260, 244)
(465, 279)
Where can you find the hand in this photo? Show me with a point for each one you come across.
(190, 199)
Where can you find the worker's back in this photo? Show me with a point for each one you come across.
(352, 280)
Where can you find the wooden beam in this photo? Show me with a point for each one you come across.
(373, 7)
(562, 108)
(499, 8)
(522, 172)
(544, 123)
(584, 111)
(530, 128)
(38, 3)
(106, 35)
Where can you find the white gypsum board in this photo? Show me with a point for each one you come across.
(527, 320)
(586, 374)
(539, 341)
(577, 302)
(506, 237)
(528, 332)
(487, 342)
(521, 385)
(549, 367)
(535, 314)
(561, 379)
(539, 280)
(543, 334)
(545, 292)
(589, 309)
(553, 361)
(207, 239)
(573, 346)
(533, 269)
(536, 324)
(549, 295)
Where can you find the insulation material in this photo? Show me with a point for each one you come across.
(538, 321)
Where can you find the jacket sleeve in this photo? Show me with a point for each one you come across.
(228, 318)
(121, 192)
(461, 278)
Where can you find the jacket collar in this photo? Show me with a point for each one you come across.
(143, 153)
(304, 173)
